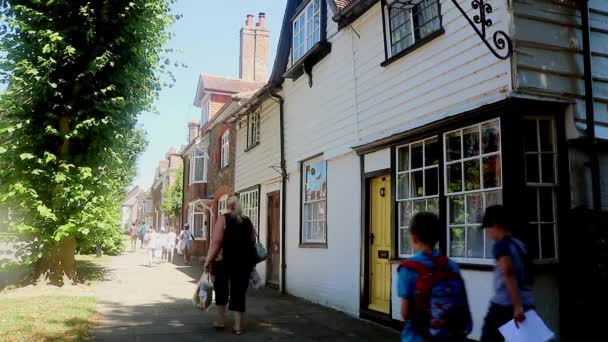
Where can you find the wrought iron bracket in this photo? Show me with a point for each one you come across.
(500, 43)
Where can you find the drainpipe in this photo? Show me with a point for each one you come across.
(590, 117)
(279, 99)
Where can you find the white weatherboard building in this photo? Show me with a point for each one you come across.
(391, 109)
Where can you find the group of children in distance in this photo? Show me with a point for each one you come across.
(434, 302)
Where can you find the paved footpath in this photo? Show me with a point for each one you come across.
(141, 303)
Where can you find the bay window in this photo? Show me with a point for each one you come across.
(314, 202)
(417, 185)
(196, 219)
(473, 182)
(306, 29)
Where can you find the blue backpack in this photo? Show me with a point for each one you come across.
(441, 308)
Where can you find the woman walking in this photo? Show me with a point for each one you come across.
(230, 260)
(185, 244)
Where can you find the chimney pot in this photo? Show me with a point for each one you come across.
(249, 21)
(261, 20)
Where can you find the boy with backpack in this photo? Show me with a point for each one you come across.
(512, 276)
(433, 296)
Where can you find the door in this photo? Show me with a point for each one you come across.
(274, 239)
(380, 244)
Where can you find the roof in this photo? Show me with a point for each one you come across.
(227, 84)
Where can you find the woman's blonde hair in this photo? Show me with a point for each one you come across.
(233, 204)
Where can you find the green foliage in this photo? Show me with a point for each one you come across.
(172, 202)
(78, 74)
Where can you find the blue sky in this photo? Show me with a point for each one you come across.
(208, 37)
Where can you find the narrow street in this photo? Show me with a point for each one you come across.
(141, 303)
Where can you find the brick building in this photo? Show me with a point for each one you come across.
(164, 178)
(209, 157)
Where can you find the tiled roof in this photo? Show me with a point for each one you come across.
(340, 4)
(228, 85)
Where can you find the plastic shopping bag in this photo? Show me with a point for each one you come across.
(255, 281)
(205, 294)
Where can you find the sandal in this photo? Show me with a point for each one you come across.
(238, 332)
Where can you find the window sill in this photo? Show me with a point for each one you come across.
(310, 58)
(416, 46)
(198, 182)
(251, 147)
(313, 245)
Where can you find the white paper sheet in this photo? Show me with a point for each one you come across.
(532, 329)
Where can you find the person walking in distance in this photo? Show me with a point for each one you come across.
(161, 242)
(151, 240)
(142, 234)
(185, 243)
(170, 243)
(231, 259)
(512, 276)
(134, 233)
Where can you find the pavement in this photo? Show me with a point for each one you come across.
(142, 303)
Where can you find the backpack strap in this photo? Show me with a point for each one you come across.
(416, 267)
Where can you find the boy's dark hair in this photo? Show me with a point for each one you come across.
(495, 215)
(425, 226)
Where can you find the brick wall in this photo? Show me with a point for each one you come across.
(217, 176)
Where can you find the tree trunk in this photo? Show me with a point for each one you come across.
(57, 265)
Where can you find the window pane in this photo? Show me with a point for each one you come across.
(530, 136)
(199, 169)
(470, 142)
(471, 174)
(455, 177)
(404, 237)
(456, 209)
(531, 239)
(403, 186)
(475, 239)
(547, 234)
(548, 167)
(432, 205)
(453, 146)
(532, 175)
(474, 208)
(457, 242)
(405, 213)
(531, 204)
(489, 246)
(431, 182)
(431, 152)
(403, 158)
(417, 186)
(490, 137)
(491, 172)
(546, 135)
(546, 204)
(419, 205)
(417, 156)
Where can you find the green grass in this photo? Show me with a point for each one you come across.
(46, 318)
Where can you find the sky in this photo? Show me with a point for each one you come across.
(208, 39)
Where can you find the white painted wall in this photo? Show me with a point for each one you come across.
(328, 276)
(379, 160)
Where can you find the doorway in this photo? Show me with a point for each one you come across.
(379, 244)
(273, 262)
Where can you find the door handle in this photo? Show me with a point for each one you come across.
(372, 237)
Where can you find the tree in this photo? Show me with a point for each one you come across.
(78, 74)
(172, 202)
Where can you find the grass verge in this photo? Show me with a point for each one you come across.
(46, 318)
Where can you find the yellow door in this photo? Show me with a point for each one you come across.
(380, 244)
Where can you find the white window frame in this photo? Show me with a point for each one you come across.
(398, 5)
(487, 257)
(542, 184)
(197, 209)
(250, 204)
(321, 204)
(225, 149)
(253, 129)
(198, 155)
(305, 32)
(411, 197)
(222, 205)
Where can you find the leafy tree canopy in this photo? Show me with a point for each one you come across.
(172, 201)
(78, 73)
